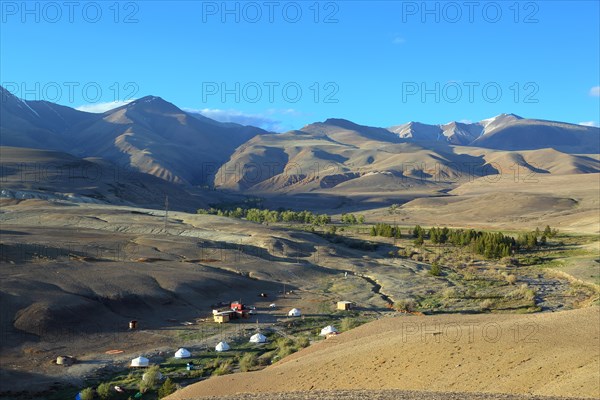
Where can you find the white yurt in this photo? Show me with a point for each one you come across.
(182, 353)
(222, 346)
(272, 305)
(328, 330)
(294, 312)
(258, 338)
(140, 362)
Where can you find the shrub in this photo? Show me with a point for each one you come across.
(406, 305)
(104, 390)
(167, 388)
(523, 292)
(87, 394)
(349, 323)
(225, 368)
(303, 342)
(248, 361)
(449, 293)
(435, 269)
(150, 378)
(487, 304)
(511, 279)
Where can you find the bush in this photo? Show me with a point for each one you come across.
(435, 269)
(87, 394)
(406, 305)
(167, 388)
(511, 279)
(349, 323)
(248, 361)
(487, 304)
(104, 390)
(449, 293)
(150, 378)
(303, 342)
(225, 368)
(523, 292)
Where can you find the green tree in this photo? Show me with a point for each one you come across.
(151, 378)
(167, 388)
(419, 241)
(435, 269)
(104, 390)
(87, 394)
(361, 219)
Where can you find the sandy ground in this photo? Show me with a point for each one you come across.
(551, 354)
(379, 395)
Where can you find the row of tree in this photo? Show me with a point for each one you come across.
(385, 230)
(270, 216)
(264, 215)
(351, 219)
(487, 244)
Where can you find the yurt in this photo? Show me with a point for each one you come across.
(294, 312)
(258, 338)
(328, 330)
(182, 353)
(222, 346)
(140, 362)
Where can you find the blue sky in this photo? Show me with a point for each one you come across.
(284, 64)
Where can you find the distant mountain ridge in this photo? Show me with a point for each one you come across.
(156, 137)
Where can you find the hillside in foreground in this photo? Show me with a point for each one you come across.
(552, 354)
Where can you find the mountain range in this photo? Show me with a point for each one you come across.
(155, 137)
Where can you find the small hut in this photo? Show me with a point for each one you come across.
(344, 305)
(65, 360)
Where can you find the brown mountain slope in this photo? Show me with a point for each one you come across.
(544, 354)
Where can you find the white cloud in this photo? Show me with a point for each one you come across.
(399, 40)
(267, 120)
(102, 107)
(465, 121)
(589, 123)
(595, 91)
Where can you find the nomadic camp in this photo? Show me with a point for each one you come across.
(182, 353)
(258, 338)
(140, 362)
(344, 305)
(328, 330)
(222, 346)
(294, 312)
